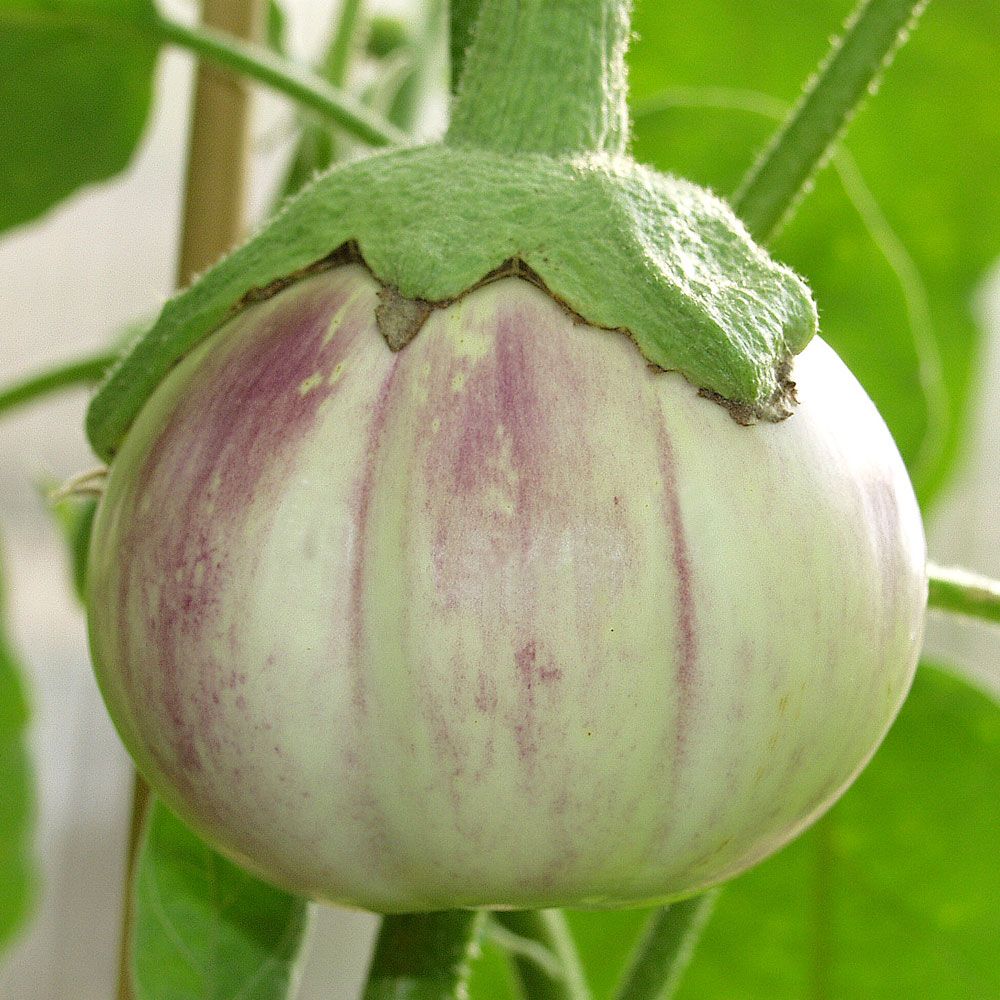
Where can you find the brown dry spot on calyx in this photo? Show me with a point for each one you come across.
(400, 318)
(782, 403)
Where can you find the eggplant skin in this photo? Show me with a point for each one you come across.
(506, 618)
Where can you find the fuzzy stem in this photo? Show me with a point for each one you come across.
(964, 593)
(295, 81)
(424, 956)
(853, 68)
(665, 950)
(564, 979)
(137, 820)
(543, 77)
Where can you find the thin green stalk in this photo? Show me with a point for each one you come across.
(316, 148)
(342, 44)
(296, 82)
(522, 948)
(543, 77)
(565, 979)
(666, 948)
(85, 371)
(853, 68)
(424, 956)
(422, 49)
(963, 593)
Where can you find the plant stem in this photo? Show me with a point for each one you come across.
(342, 44)
(316, 148)
(405, 105)
(297, 82)
(853, 68)
(963, 593)
(424, 956)
(522, 948)
(665, 950)
(543, 77)
(84, 371)
(564, 979)
(137, 821)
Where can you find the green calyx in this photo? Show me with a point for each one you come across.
(533, 182)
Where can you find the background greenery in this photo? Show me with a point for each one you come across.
(894, 893)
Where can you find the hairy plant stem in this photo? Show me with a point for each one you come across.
(560, 979)
(302, 85)
(665, 949)
(214, 206)
(963, 593)
(424, 956)
(549, 78)
(779, 178)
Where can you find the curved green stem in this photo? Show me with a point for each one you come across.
(316, 148)
(773, 186)
(423, 49)
(424, 956)
(342, 44)
(543, 77)
(561, 979)
(665, 950)
(85, 371)
(297, 82)
(963, 593)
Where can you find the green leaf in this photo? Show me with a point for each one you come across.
(204, 929)
(926, 149)
(726, 336)
(75, 90)
(892, 895)
(18, 870)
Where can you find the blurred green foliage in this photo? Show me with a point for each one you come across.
(18, 870)
(203, 927)
(74, 97)
(894, 240)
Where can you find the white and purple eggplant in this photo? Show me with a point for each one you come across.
(491, 532)
(506, 618)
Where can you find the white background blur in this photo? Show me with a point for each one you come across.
(67, 283)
